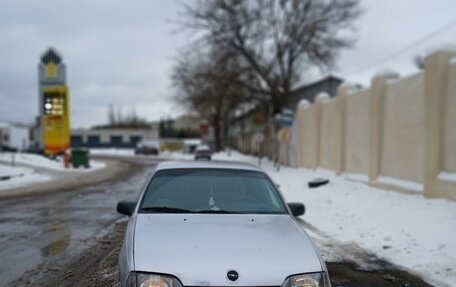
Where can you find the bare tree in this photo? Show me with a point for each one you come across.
(116, 119)
(208, 83)
(276, 39)
(111, 115)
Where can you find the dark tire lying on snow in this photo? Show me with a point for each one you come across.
(316, 182)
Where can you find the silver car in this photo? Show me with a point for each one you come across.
(209, 223)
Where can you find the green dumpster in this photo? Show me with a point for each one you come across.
(80, 157)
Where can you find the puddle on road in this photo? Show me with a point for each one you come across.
(55, 228)
(28, 246)
(25, 258)
(37, 234)
(57, 246)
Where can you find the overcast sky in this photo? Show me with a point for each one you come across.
(121, 52)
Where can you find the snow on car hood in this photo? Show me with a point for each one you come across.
(200, 249)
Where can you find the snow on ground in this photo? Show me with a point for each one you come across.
(411, 231)
(112, 151)
(408, 185)
(11, 177)
(176, 155)
(39, 161)
(19, 176)
(447, 176)
(131, 152)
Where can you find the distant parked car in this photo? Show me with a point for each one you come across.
(147, 148)
(209, 223)
(203, 152)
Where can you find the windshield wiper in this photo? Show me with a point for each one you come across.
(164, 209)
(217, 211)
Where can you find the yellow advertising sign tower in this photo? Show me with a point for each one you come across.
(56, 119)
(54, 104)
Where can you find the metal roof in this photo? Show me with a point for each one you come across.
(207, 164)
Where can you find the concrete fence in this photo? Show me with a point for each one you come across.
(400, 133)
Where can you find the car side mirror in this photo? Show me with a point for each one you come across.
(297, 209)
(126, 207)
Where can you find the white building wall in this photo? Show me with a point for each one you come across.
(15, 136)
(19, 138)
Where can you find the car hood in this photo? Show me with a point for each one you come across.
(199, 249)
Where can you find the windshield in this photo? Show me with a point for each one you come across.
(211, 191)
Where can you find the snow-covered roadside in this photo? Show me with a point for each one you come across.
(176, 155)
(131, 152)
(32, 168)
(112, 151)
(35, 160)
(411, 231)
(11, 177)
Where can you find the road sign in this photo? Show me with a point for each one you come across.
(259, 137)
(284, 135)
(287, 112)
(285, 118)
(286, 122)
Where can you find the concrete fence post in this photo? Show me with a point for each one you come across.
(303, 104)
(319, 100)
(376, 115)
(315, 163)
(436, 79)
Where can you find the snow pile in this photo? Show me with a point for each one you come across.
(447, 176)
(11, 177)
(194, 141)
(39, 161)
(30, 159)
(357, 177)
(10, 171)
(304, 104)
(411, 231)
(112, 151)
(409, 185)
(323, 97)
(176, 155)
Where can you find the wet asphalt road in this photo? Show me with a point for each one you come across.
(52, 228)
(58, 238)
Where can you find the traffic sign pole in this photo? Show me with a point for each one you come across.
(259, 139)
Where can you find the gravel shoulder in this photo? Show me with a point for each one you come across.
(96, 267)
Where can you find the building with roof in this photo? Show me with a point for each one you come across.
(14, 136)
(255, 121)
(309, 91)
(112, 138)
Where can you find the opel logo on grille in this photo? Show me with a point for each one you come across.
(232, 275)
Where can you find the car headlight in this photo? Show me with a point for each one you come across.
(307, 280)
(136, 279)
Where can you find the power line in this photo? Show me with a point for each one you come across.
(403, 50)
